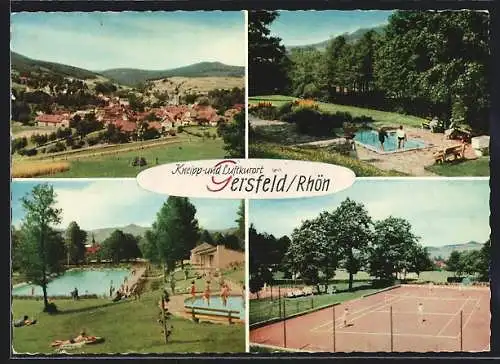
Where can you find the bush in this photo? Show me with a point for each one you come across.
(285, 108)
(58, 147)
(265, 111)
(28, 152)
(180, 129)
(142, 162)
(92, 141)
(171, 132)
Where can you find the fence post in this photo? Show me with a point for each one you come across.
(192, 313)
(392, 338)
(334, 349)
(229, 316)
(461, 326)
(279, 301)
(284, 324)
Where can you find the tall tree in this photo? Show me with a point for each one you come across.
(313, 253)
(206, 237)
(392, 242)
(350, 226)
(266, 55)
(41, 246)
(483, 265)
(240, 233)
(174, 233)
(260, 270)
(420, 260)
(75, 243)
(453, 264)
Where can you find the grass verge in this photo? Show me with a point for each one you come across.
(477, 168)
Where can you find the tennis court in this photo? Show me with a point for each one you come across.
(456, 319)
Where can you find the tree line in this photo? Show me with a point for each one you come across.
(424, 63)
(474, 262)
(347, 238)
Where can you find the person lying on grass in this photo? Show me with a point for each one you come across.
(82, 338)
(25, 321)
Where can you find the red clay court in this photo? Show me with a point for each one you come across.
(370, 323)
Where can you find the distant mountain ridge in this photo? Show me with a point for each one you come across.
(131, 76)
(102, 234)
(125, 76)
(445, 251)
(349, 37)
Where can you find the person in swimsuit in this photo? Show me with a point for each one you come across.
(382, 134)
(401, 134)
(224, 293)
(193, 289)
(206, 293)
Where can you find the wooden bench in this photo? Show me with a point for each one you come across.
(457, 152)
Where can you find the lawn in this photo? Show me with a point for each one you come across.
(127, 326)
(235, 275)
(267, 308)
(276, 151)
(478, 168)
(382, 118)
(119, 165)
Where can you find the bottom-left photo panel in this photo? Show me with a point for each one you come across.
(104, 266)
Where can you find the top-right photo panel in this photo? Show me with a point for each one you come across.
(384, 93)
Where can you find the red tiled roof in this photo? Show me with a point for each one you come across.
(125, 125)
(47, 118)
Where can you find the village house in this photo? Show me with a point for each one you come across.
(207, 257)
(53, 120)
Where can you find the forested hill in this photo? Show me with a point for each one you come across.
(24, 64)
(131, 77)
(349, 37)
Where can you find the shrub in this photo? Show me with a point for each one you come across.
(92, 141)
(171, 132)
(58, 147)
(180, 129)
(285, 108)
(265, 111)
(28, 152)
(142, 162)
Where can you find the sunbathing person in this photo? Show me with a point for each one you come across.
(82, 338)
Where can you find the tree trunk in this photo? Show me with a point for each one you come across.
(44, 267)
(45, 298)
(351, 278)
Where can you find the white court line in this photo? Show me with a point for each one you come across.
(414, 313)
(422, 298)
(471, 313)
(395, 334)
(328, 323)
(368, 311)
(451, 319)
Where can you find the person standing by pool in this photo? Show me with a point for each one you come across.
(206, 294)
(193, 289)
(224, 293)
(382, 134)
(401, 134)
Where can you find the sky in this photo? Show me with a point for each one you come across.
(96, 204)
(98, 41)
(309, 26)
(441, 212)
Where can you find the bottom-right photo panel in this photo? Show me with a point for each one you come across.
(387, 265)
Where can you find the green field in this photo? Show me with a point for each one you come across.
(478, 167)
(382, 118)
(119, 165)
(127, 327)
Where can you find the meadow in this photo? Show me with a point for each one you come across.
(127, 327)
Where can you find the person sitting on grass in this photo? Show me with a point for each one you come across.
(25, 321)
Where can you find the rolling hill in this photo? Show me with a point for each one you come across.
(445, 251)
(349, 37)
(130, 76)
(23, 64)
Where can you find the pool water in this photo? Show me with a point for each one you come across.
(234, 303)
(369, 139)
(86, 281)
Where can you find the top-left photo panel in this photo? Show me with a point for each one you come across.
(109, 94)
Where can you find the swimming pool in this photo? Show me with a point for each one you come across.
(86, 281)
(369, 140)
(234, 303)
